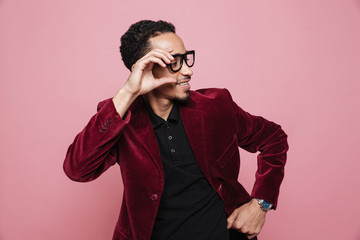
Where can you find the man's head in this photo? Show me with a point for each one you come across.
(135, 42)
(144, 36)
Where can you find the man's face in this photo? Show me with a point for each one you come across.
(180, 90)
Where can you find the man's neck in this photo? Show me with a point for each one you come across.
(160, 106)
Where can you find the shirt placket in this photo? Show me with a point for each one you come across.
(170, 138)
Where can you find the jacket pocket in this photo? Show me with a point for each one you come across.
(228, 153)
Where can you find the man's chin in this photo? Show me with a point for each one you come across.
(183, 100)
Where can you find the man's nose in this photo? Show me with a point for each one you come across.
(185, 70)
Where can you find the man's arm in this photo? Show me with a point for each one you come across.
(255, 134)
(94, 148)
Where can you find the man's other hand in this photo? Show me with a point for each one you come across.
(248, 219)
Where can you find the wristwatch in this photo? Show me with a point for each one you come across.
(264, 205)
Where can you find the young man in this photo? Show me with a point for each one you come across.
(178, 149)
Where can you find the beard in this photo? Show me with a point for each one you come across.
(183, 101)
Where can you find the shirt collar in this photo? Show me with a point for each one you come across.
(156, 121)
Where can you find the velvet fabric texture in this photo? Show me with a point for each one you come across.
(215, 126)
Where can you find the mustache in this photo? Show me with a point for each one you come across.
(183, 78)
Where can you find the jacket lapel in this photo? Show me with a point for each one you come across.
(141, 124)
(193, 121)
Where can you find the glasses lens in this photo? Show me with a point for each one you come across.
(190, 58)
(176, 63)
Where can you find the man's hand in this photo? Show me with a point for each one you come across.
(248, 219)
(142, 80)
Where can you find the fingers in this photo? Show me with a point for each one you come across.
(141, 79)
(154, 59)
(245, 221)
(251, 236)
(163, 81)
(157, 56)
(248, 231)
(163, 54)
(231, 219)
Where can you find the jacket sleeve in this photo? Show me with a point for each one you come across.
(255, 133)
(94, 149)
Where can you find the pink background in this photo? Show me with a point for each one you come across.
(294, 62)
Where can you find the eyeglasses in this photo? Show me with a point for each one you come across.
(177, 63)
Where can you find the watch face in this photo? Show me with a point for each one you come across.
(266, 205)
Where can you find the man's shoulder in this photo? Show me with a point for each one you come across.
(210, 94)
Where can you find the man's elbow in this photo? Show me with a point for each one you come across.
(75, 173)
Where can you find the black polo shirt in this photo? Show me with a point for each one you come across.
(190, 209)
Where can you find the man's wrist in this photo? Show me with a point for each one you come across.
(122, 101)
(264, 205)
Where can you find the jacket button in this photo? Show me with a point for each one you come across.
(154, 197)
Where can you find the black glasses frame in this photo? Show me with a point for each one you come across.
(182, 58)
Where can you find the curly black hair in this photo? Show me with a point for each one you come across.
(134, 43)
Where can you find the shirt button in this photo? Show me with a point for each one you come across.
(169, 137)
(154, 197)
(172, 150)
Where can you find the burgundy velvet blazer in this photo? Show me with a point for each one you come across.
(215, 127)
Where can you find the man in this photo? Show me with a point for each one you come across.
(178, 149)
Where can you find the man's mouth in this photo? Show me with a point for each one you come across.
(183, 82)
